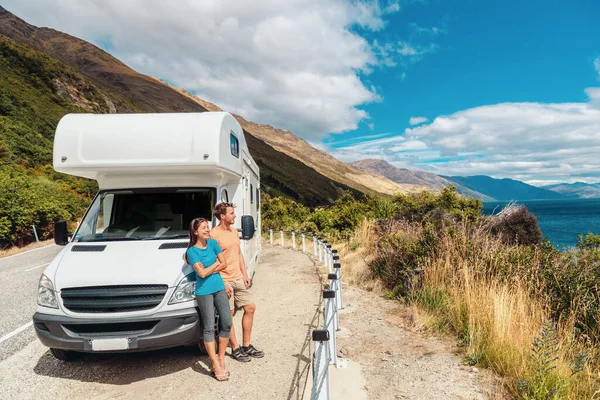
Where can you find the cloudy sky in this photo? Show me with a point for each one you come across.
(456, 87)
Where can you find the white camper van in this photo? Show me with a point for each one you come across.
(120, 283)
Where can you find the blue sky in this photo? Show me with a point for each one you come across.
(488, 52)
(456, 87)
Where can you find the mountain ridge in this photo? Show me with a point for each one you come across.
(283, 174)
(417, 177)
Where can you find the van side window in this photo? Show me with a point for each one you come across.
(224, 195)
(235, 145)
(257, 200)
(251, 194)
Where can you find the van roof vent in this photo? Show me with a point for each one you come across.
(88, 248)
(175, 245)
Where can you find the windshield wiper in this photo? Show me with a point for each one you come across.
(174, 236)
(111, 239)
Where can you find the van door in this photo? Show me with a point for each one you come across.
(251, 183)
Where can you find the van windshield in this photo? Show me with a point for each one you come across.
(144, 214)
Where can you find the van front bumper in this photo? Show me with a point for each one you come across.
(153, 332)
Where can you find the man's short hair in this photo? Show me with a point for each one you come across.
(221, 208)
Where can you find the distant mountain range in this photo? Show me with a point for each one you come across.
(579, 190)
(480, 186)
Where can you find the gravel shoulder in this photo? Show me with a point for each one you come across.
(287, 295)
(399, 362)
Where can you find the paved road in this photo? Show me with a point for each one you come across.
(19, 276)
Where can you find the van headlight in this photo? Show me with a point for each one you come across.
(46, 293)
(185, 290)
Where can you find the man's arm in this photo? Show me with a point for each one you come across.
(247, 281)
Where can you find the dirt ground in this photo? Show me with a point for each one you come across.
(398, 362)
(17, 250)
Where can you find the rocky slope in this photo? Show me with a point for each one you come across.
(423, 179)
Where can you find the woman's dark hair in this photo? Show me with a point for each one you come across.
(194, 224)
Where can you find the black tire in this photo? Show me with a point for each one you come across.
(65, 355)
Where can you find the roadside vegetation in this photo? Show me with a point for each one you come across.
(35, 92)
(514, 303)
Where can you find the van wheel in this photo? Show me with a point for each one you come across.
(202, 348)
(65, 355)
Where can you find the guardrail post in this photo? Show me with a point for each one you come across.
(281, 236)
(329, 323)
(333, 285)
(329, 265)
(320, 389)
(332, 253)
(271, 236)
(337, 266)
(315, 245)
(320, 250)
(35, 234)
(293, 240)
(303, 243)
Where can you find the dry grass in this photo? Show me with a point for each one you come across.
(355, 255)
(495, 323)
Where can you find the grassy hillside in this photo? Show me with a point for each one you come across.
(35, 92)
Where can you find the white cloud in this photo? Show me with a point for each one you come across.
(426, 31)
(527, 141)
(407, 50)
(294, 64)
(417, 120)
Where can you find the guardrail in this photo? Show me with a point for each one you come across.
(325, 351)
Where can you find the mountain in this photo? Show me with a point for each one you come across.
(118, 88)
(504, 189)
(328, 178)
(295, 147)
(422, 179)
(579, 190)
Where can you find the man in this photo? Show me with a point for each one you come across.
(236, 281)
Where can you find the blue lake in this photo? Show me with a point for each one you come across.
(560, 220)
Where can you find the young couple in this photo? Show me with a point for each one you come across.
(221, 283)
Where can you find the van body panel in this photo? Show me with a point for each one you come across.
(122, 263)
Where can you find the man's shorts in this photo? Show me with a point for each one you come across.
(241, 296)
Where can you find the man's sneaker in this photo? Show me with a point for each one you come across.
(240, 355)
(253, 352)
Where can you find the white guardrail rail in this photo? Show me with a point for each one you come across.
(325, 352)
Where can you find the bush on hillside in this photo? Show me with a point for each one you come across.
(515, 225)
(27, 200)
(418, 207)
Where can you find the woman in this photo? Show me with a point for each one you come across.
(204, 254)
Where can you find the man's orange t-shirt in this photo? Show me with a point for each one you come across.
(229, 241)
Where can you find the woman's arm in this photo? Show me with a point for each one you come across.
(204, 272)
(221, 263)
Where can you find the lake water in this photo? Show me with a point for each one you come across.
(560, 220)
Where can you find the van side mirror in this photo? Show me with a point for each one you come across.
(248, 228)
(61, 233)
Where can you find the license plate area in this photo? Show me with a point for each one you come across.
(110, 344)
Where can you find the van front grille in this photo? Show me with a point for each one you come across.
(112, 329)
(111, 299)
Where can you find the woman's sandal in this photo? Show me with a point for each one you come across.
(222, 366)
(221, 376)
